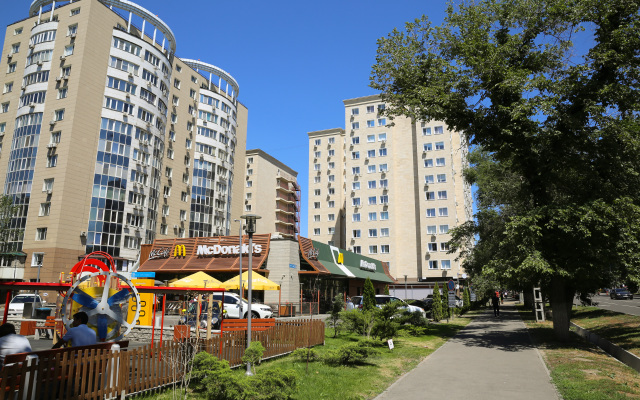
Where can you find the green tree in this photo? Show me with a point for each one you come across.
(386, 289)
(466, 299)
(555, 126)
(336, 310)
(436, 306)
(368, 296)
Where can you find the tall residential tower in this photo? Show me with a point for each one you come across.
(390, 191)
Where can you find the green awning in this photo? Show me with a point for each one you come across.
(14, 253)
(353, 265)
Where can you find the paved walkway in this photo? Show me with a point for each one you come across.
(492, 358)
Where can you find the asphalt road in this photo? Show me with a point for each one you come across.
(631, 307)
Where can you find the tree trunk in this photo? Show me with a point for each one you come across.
(561, 302)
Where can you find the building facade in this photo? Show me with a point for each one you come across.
(390, 191)
(110, 140)
(272, 192)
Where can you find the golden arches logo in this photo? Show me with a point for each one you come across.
(179, 251)
(340, 258)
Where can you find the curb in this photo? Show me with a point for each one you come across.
(613, 350)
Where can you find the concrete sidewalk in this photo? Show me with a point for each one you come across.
(492, 358)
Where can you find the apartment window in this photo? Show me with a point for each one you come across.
(332, 204)
(332, 178)
(37, 259)
(45, 208)
(317, 154)
(316, 192)
(371, 153)
(355, 125)
(68, 50)
(355, 140)
(442, 194)
(431, 247)
(66, 71)
(428, 179)
(249, 172)
(194, 79)
(428, 162)
(384, 249)
(444, 228)
(170, 154)
(355, 170)
(355, 233)
(75, 11)
(373, 216)
(355, 201)
(442, 178)
(41, 233)
(443, 211)
(15, 48)
(316, 167)
(371, 123)
(439, 145)
(382, 137)
(187, 161)
(176, 83)
(4, 108)
(381, 107)
(183, 215)
(332, 165)
(371, 138)
(373, 249)
(8, 87)
(332, 191)
(383, 168)
(382, 121)
(3, 127)
(370, 109)
(58, 115)
(47, 185)
(355, 186)
(316, 205)
(331, 230)
(72, 29)
(332, 153)
(384, 232)
(183, 196)
(438, 130)
(192, 94)
(52, 161)
(62, 93)
(444, 246)
(384, 199)
(316, 218)
(384, 183)
(181, 232)
(331, 217)
(318, 142)
(248, 196)
(431, 212)
(355, 111)
(427, 146)
(371, 169)
(431, 229)
(373, 233)
(17, 31)
(440, 162)
(433, 264)
(357, 249)
(249, 183)
(430, 195)
(371, 184)
(445, 264)
(11, 67)
(163, 229)
(426, 131)
(316, 179)
(165, 210)
(316, 231)
(355, 155)
(332, 140)
(168, 172)
(384, 215)
(372, 200)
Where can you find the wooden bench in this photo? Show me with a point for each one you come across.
(50, 324)
(257, 324)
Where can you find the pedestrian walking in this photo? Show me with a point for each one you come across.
(502, 297)
(80, 334)
(495, 301)
(11, 343)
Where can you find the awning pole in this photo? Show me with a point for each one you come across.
(153, 321)
(164, 304)
(279, 299)
(6, 307)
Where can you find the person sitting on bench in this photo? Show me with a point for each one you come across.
(11, 343)
(80, 334)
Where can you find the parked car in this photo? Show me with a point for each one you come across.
(382, 299)
(355, 302)
(16, 306)
(618, 294)
(429, 299)
(425, 304)
(235, 307)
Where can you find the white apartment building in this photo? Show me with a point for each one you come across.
(390, 190)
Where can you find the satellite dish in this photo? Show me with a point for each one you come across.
(464, 276)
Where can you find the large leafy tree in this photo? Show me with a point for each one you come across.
(547, 92)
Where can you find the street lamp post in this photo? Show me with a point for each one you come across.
(240, 252)
(405, 287)
(250, 229)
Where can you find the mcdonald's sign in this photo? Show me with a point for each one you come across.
(340, 258)
(179, 251)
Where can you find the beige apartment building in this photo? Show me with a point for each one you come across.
(272, 192)
(109, 140)
(390, 191)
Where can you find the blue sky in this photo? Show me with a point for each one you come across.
(294, 61)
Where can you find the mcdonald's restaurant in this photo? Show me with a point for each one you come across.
(309, 273)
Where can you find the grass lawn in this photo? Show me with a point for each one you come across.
(580, 370)
(366, 381)
(621, 329)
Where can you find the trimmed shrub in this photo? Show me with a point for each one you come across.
(253, 354)
(275, 384)
(349, 354)
(205, 364)
(336, 309)
(302, 354)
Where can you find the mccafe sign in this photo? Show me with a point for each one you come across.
(162, 252)
(217, 249)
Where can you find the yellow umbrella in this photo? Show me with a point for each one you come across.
(258, 282)
(197, 280)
